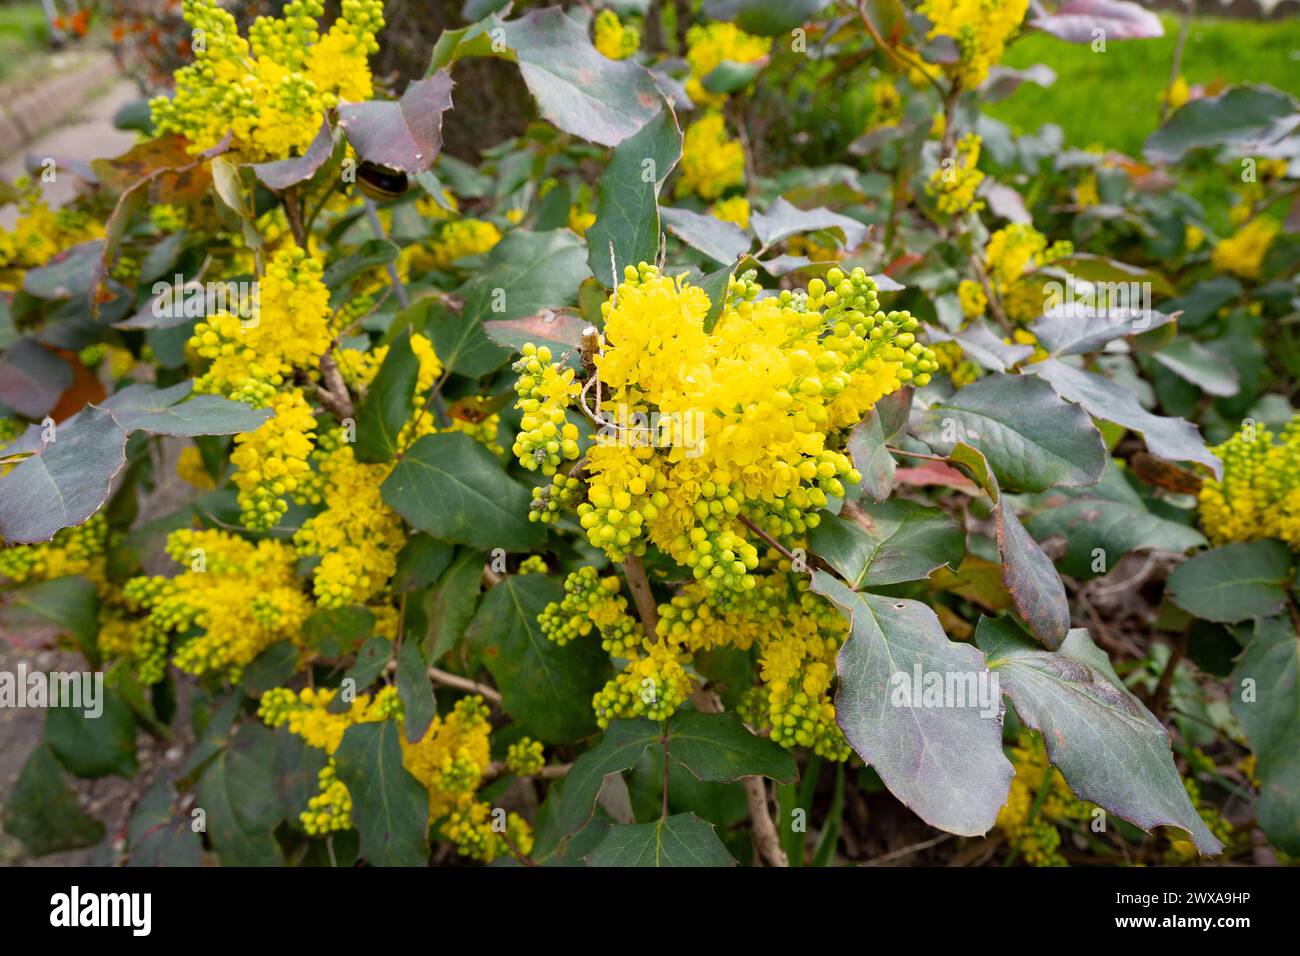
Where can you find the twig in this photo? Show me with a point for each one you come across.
(907, 850)
(334, 394)
(767, 842)
(555, 771)
(634, 571)
(403, 297)
(447, 679)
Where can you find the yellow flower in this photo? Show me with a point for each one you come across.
(613, 38)
(270, 91)
(711, 163)
(980, 28)
(1243, 252)
(709, 46)
(954, 182)
(972, 298)
(1259, 494)
(734, 209)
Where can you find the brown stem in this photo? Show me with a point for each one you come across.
(767, 842)
(293, 210)
(464, 683)
(334, 394)
(1160, 699)
(646, 608)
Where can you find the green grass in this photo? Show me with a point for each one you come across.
(23, 34)
(1112, 98)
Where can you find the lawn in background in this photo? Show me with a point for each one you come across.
(23, 32)
(1113, 98)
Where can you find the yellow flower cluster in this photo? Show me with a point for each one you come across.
(271, 91)
(458, 239)
(244, 597)
(744, 418)
(953, 183)
(357, 537)
(290, 329)
(1010, 254)
(1038, 840)
(191, 470)
(798, 636)
(980, 28)
(711, 162)
(613, 38)
(709, 45)
(525, 757)
(952, 360)
(78, 550)
(1243, 252)
(652, 685)
(590, 602)
(1259, 496)
(39, 234)
(545, 390)
(733, 209)
(271, 462)
(449, 762)
(970, 294)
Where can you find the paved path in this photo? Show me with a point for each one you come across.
(88, 133)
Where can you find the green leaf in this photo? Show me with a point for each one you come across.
(1032, 439)
(421, 562)
(680, 840)
(158, 835)
(390, 808)
(453, 488)
(460, 338)
(723, 242)
(166, 411)
(97, 743)
(766, 18)
(32, 378)
(405, 134)
(369, 255)
(545, 687)
(1065, 331)
(1266, 701)
(621, 747)
(1235, 582)
(371, 660)
(732, 77)
(1198, 364)
(867, 441)
(1170, 438)
(237, 794)
(1109, 516)
(296, 770)
(944, 762)
(335, 631)
(271, 668)
(1028, 574)
(719, 748)
(578, 89)
(1112, 751)
(63, 482)
(626, 230)
(414, 691)
(526, 273)
(452, 602)
(43, 812)
(71, 603)
(1241, 114)
(1099, 269)
(888, 543)
(783, 220)
(388, 402)
(281, 174)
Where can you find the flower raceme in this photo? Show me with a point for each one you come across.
(268, 91)
(1259, 495)
(777, 381)
(981, 29)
